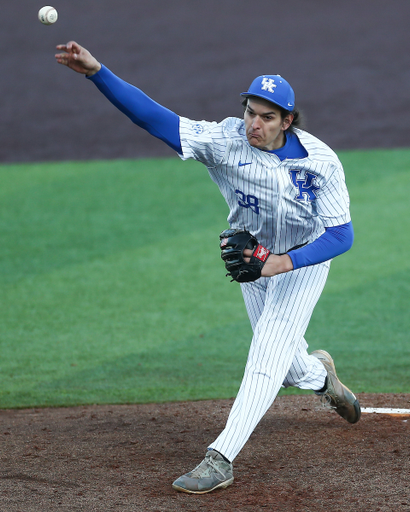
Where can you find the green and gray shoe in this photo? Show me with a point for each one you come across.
(213, 473)
(337, 395)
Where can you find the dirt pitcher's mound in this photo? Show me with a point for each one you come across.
(301, 457)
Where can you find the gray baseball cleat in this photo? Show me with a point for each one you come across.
(337, 395)
(213, 473)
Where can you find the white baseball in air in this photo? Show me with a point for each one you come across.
(47, 15)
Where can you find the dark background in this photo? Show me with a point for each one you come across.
(348, 63)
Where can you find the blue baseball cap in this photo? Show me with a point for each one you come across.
(273, 88)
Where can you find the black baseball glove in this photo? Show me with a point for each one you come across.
(232, 244)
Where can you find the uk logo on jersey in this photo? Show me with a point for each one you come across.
(306, 186)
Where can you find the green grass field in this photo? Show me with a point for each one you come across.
(113, 291)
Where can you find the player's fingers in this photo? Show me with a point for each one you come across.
(62, 61)
(71, 46)
(247, 253)
(74, 47)
(64, 58)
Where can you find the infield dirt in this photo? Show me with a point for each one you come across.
(301, 458)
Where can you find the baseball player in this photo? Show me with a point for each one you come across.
(288, 189)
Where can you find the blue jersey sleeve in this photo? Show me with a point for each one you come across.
(140, 108)
(334, 241)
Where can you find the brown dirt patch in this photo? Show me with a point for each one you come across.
(124, 458)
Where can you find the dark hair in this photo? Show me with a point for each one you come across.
(298, 121)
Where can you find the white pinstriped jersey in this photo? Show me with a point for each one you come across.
(283, 203)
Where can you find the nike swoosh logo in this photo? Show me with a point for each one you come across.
(241, 164)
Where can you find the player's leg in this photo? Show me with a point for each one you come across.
(289, 304)
(317, 371)
(254, 296)
(215, 471)
(306, 371)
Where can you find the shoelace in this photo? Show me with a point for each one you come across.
(199, 470)
(326, 400)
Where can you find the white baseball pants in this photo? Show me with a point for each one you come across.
(279, 310)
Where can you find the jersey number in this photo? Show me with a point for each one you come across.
(248, 201)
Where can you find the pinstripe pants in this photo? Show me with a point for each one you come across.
(279, 310)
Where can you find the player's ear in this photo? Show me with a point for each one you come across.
(287, 121)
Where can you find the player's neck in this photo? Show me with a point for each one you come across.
(278, 143)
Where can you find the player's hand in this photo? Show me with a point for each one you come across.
(77, 58)
(274, 265)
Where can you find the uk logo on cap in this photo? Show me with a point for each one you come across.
(268, 84)
(273, 88)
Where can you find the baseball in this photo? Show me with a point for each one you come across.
(47, 15)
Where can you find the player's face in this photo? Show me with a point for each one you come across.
(264, 124)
